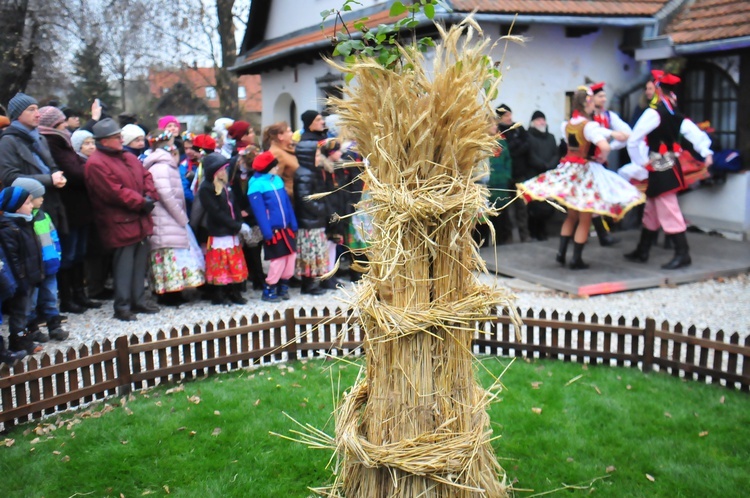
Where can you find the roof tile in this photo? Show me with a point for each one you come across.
(613, 8)
(707, 20)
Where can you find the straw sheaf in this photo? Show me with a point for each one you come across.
(416, 425)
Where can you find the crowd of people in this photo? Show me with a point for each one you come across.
(94, 211)
(109, 210)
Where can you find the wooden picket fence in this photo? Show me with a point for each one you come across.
(38, 387)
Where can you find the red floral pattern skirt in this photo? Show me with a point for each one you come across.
(225, 263)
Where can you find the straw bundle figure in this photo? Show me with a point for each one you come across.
(416, 424)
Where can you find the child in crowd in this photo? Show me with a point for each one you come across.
(43, 298)
(275, 216)
(175, 261)
(24, 255)
(225, 263)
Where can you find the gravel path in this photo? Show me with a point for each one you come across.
(716, 304)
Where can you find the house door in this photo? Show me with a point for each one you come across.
(285, 109)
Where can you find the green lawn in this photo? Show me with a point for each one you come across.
(650, 435)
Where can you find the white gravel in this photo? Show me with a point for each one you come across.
(720, 304)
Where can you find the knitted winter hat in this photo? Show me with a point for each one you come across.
(130, 132)
(19, 103)
(538, 114)
(307, 118)
(32, 186)
(264, 162)
(12, 198)
(238, 129)
(50, 116)
(78, 137)
(165, 120)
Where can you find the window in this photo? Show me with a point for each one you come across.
(210, 93)
(709, 93)
(241, 92)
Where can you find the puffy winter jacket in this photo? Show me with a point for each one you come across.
(169, 215)
(48, 240)
(24, 253)
(311, 213)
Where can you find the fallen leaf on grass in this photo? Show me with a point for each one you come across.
(569, 459)
(194, 399)
(216, 432)
(596, 389)
(124, 441)
(667, 414)
(628, 387)
(703, 434)
(177, 389)
(650, 477)
(257, 402)
(147, 492)
(610, 469)
(35, 440)
(538, 411)
(166, 488)
(158, 403)
(66, 458)
(55, 452)
(7, 442)
(535, 385)
(721, 400)
(217, 412)
(193, 433)
(296, 385)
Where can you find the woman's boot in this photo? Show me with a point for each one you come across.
(576, 262)
(563, 248)
(643, 249)
(311, 286)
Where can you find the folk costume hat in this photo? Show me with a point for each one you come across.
(205, 143)
(597, 87)
(265, 162)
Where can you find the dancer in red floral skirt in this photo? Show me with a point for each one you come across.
(580, 182)
(225, 263)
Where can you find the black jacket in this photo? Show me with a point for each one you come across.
(17, 159)
(544, 154)
(518, 145)
(23, 250)
(310, 213)
(222, 219)
(307, 147)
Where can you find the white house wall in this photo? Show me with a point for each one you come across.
(287, 16)
(535, 76)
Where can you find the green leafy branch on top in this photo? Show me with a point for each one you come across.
(382, 42)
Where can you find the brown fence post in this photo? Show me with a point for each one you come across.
(291, 334)
(123, 364)
(648, 345)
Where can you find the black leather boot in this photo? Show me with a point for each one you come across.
(78, 283)
(217, 295)
(65, 291)
(606, 239)
(641, 252)
(576, 262)
(681, 252)
(311, 286)
(235, 295)
(563, 248)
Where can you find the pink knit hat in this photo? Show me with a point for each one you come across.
(50, 116)
(165, 120)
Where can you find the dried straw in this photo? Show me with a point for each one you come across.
(416, 423)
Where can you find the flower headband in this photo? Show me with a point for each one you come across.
(161, 137)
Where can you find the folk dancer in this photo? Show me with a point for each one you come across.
(662, 127)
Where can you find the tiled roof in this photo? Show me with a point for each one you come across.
(563, 7)
(707, 20)
(315, 36)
